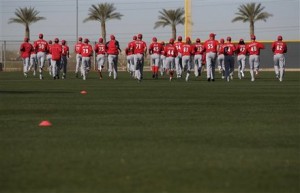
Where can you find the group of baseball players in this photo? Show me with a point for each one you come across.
(174, 57)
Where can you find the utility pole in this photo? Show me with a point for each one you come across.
(188, 18)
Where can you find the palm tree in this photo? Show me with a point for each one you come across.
(170, 17)
(26, 16)
(103, 12)
(251, 13)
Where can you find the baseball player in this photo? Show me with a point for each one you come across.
(162, 65)
(48, 57)
(253, 48)
(78, 56)
(56, 52)
(241, 58)
(198, 50)
(33, 61)
(86, 51)
(130, 57)
(25, 50)
(221, 58)
(279, 48)
(187, 52)
(154, 51)
(171, 53)
(100, 50)
(41, 47)
(139, 51)
(229, 50)
(113, 49)
(178, 59)
(64, 58)
(210, 47)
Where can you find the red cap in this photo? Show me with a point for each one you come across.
(279, 38)
(80, 39)
(56, 40)
(212, 35)
(241, 40)
(187, 39)
(50, 41)
(140, 36)
(26, 39)
(228, 38)
(162, 42)
(171, 41)
(86, 40)
(198, 40)
(154, 39)
(222, 40)
(100, 40)
(179, 38)
(41, 35)
(112, 37)
(134, 37)
(63, 42)
(252, 37)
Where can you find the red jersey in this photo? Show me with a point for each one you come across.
(65, 50)
(279, 47)
(49, 48)
(253, 48)
(26, 49)
(187, 49)
(139, 47)
(211, 46)
(41, 45)
(170, 50)
(221, 49)
(112, 47)
(130, 48)
(241, 49)
(100, 49)
(162, 52)
(198, 48)
(77, 47)
(229, 49)
(155, 48)
(178, 46)
(56, 51)
(86, 50)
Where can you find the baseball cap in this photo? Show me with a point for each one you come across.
(86, 40)
(179, 38)
(26, 39)
(80, 39)
(100, 40)
(56, 40)
(63, 42)
(187, 39)
(279, 37)
(134, 37)
(228, 38)
(112, 37)
(140, 36)
(222, 40)
(171, 41)
(253, 37)
(212, 35)
(50, 41)
(198, 40)
(154, 39)
(41, 35)
(241, 40)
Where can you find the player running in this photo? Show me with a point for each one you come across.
(86, 52)
(33, 61)
(253, 48)
(162, 62)
(25, 50)
(48, 57)
(130, 57)
(113, 49)
(78, 56)
(139, 51)
(100, 50)
(154, 51)
(64, 58)
(178, 59)
(279, 48)
(229, 50)
(55, 51)
(41, 47)
(221, 58)
(187, 52)
(241, 58)
(171, 53)
(210, 47)
(198, 50)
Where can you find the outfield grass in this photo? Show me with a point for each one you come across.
(151, 137)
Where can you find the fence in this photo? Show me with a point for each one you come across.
(10, 59)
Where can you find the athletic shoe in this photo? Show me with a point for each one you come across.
(231, 77)
(277, 76)
(242, 73)
(280, 79)
(208, 79)
(34, 73)
(41, 77)
(252, 79)
(228, 79)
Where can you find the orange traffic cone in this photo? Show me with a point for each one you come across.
(83, 92)
(45, 124)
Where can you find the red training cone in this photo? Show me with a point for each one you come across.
(45, 124)
(83, 92)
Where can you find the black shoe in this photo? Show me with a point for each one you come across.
(213, 80)
(208, 79)
(153, 75)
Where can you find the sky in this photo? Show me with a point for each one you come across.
(140, 15)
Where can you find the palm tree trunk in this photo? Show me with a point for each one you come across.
(103, 31)
(27, 31)
(174, 31)
(251, 28)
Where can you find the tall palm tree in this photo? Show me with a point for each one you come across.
(26, 16)
(170, 17)
(251, 12)
(103, 12)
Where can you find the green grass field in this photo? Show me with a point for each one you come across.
(151, 137)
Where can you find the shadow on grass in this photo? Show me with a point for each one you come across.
(30, 92)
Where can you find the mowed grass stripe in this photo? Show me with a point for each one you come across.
(153, 136)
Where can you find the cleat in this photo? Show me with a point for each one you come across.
(242, 73)
(213, 79)
(252, 79)
(208, 79)
(41, 77)
(231, 77)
